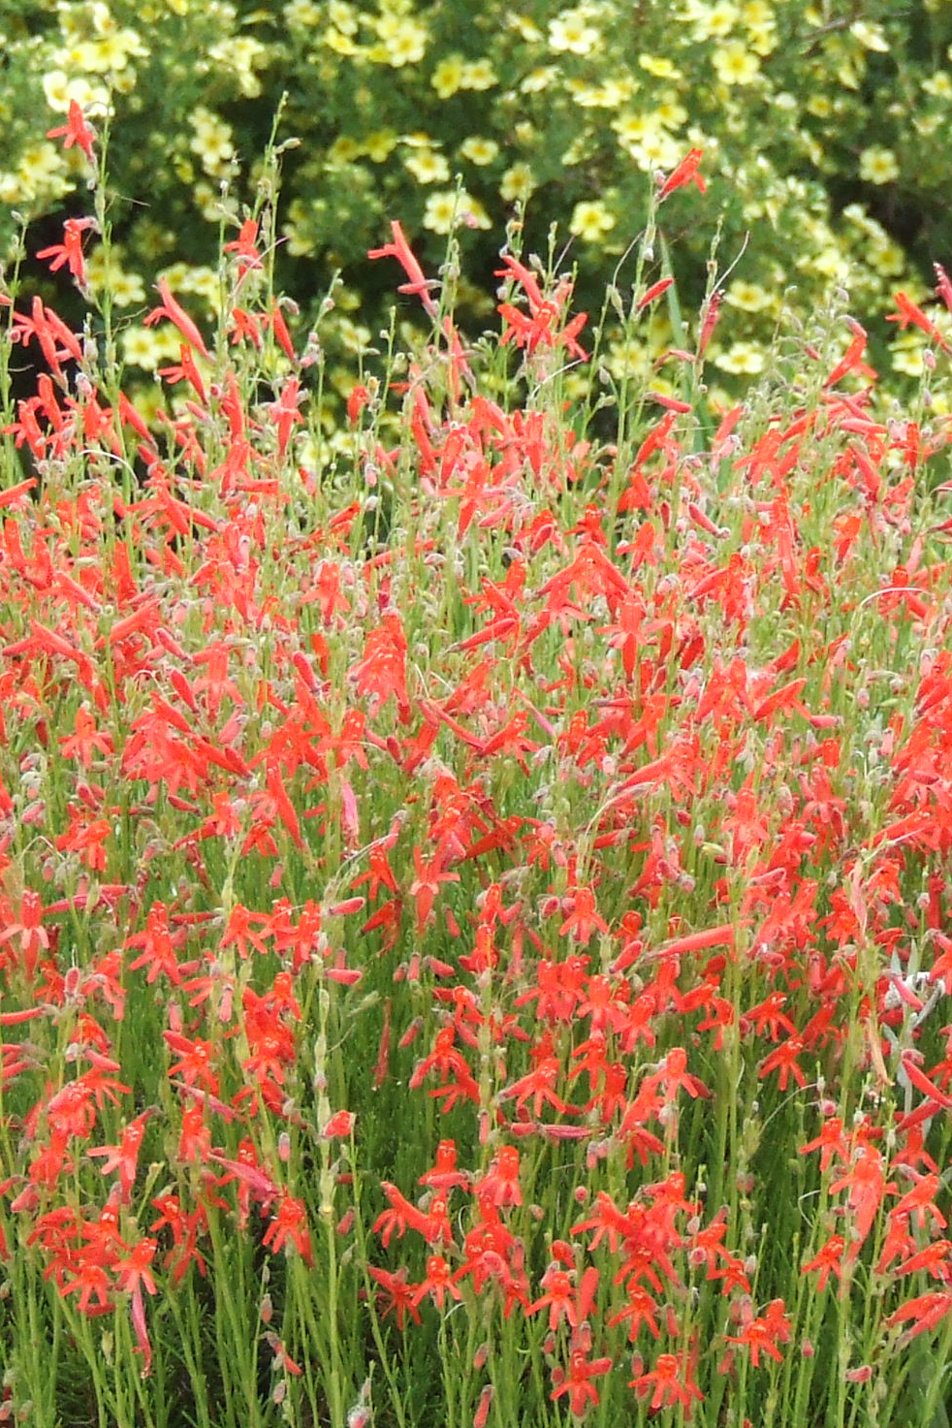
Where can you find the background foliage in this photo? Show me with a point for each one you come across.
(824, 127)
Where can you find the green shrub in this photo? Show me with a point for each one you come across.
(823, 128)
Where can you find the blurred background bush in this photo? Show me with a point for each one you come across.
(825, 131)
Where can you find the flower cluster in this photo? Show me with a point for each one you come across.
(473, 907)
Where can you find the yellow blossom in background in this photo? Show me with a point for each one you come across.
(572, 32)
(242, 55)
(479, 151)
(660, 66)
(907, 354)
(344, 150)
(608, 95)
(742, 359)
(647, 141)
(104, 268)
(670, 111)
(748, 297)
(878, 165)
(41, 170)
(448, 209)
(525, 28)
(340, 43)
(735, 63)
(427, 166)
(477, 75)
(591, 221)
(939, 85)
(379, 145)
(447, 77)
(211, 141)
(109, 53)
(141, 347)
(343, 16)
(12, 189)
(627, 357)
(104, 22)
(518, 183)
(711, 22)
(60, 89)
(870, 36)
(538, 79)
(757, 14)
(404, 41)
(828, 263)
(302, 14)
(886, 258)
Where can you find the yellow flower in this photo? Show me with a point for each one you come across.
(712, 22)
(479, 151)
(524, 28)
(211, 141)
(939, 85)
(103, 21)
(749, 297)
(591, 221)
(427, 166)
(344, 16)
(538, 79)
(756, 14)
(41, 162)
(878, 165)
(628, 358)
(886, 258)
(660, 66)
(302, 14)
(445, 210)
(60, 91)
(644, 138)
(344, 150)
(448, 75)
(736, 64)
(475, 215)
(587, 96)
(479, 74)
(518, 182)
(140, 348)
(671, 113)
(379, 145)
(871, 37)
(404, 40)
(742, 359)
(15, 188)
(906, 355)
(827, 263)
(338, 42)
(571, 32)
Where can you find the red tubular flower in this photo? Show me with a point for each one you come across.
(438, 1283)
(669, 1382)
(684, 173)
(397, 1295)
(501, 1181)
(289, 1225)
(401, 250)
(926, 1312)
(176, 314)
(765, 1333)
(576, 1381)
(74, 131)
(828, 1261)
